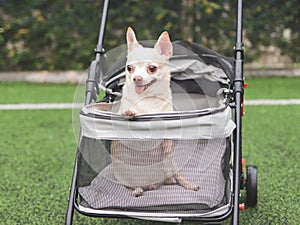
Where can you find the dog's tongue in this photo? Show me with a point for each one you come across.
(139, 89)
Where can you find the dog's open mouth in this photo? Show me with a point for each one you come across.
(140, 88)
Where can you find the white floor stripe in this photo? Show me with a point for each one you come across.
(273, 102)
(40, 106)
(78, 105)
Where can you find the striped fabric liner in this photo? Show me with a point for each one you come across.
(201, 161)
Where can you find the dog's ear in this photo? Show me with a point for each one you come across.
(132, 42)
(164, 45)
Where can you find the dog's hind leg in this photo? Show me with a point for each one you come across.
(171, 167)
(138, 191)
(184, 183)
(169, 164)
(170, 181)
(151, 187)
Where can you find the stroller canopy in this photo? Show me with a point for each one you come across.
(190, 62)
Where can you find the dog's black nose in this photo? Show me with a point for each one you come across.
(137, 79)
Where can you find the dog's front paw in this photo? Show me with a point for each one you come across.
(129, 113)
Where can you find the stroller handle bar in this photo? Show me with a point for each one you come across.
(99, 48)
(93, 76)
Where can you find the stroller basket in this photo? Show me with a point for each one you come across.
(203, 160)
(199, 128)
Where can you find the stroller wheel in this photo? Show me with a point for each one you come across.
(251, 186)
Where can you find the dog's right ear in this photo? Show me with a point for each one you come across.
(132, 42)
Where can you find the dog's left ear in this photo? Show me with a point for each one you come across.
(164, 45)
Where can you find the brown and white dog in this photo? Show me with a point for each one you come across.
(147, 86)
(147, 90)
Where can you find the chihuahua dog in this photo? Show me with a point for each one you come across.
(147, 90)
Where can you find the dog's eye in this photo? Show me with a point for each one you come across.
(130, 69)
(151, 69)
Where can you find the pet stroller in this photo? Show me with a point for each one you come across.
(205, 128)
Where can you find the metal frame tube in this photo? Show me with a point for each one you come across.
(99, 47)
(238, 94)
(89, 95)
(91, 83)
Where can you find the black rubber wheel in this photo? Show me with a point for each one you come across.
(251, 186)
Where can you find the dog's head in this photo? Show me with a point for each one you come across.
(147, 67)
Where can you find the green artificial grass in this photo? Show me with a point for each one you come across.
(23, 92)
(273, 88)
(37, 151)
(37, 157)
(271, 142)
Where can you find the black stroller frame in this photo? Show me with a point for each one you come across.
(240, 180)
